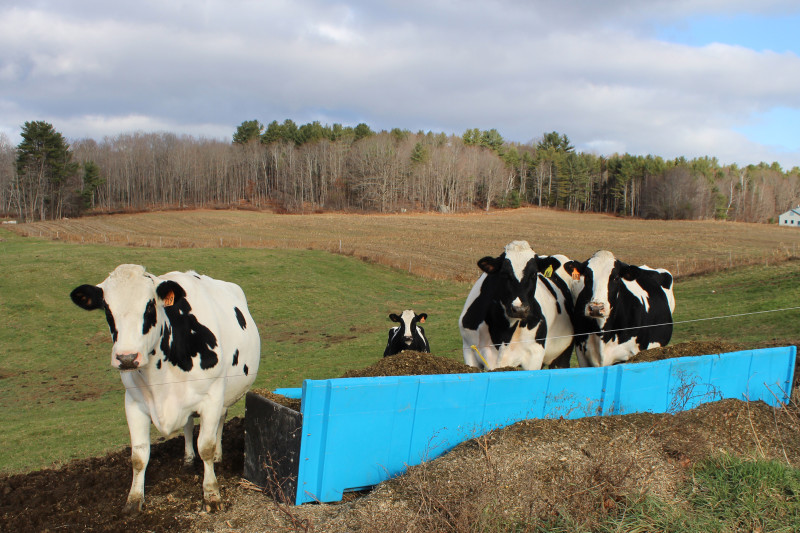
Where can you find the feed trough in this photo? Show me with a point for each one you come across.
(353, 433)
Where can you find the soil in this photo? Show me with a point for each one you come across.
(530, 471)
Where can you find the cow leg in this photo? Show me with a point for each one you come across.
(563, 360)
(580, 352)
(139, 427)
(207, 446)
(471, 358)
(218, 450)
(188, 444)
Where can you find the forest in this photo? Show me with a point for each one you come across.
(314, 167)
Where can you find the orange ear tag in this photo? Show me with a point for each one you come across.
(169, 299)
(576, 275)
(422, 320)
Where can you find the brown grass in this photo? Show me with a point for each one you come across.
(442, 246)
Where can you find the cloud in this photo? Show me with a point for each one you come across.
(599, 73)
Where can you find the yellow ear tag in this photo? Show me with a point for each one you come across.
(169, 299)
(548, 271)
(576, 275)
(422, 320)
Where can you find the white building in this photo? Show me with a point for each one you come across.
(790, 218)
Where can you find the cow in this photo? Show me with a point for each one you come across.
(408, 335)
(620, 309)
(518, 313)
(185, 346)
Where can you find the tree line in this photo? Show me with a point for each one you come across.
(313, 167)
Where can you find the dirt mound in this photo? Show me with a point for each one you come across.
(410, 363)
(529, 470)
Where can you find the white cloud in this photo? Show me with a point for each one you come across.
(595, 72)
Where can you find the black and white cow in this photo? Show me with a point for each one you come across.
(408, 335)
(620, 309)
(186, 346)
(515, 314)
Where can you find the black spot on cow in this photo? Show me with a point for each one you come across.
(185, 337)
(236, 358)
(240, 318)
(149, 319)
(158, 364)
(111, 325)
(245, 370)
(153, 352)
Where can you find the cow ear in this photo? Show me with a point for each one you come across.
(422, 317)
(543, 264)
(574, 269)
(629, 272)
(170, 293)
(394, 318)
(88, 297)
(490, 264)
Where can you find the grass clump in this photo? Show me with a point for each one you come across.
(726, 494)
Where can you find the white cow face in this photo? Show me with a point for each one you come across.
(408, 323)
(602, 277)
(516, 273)
(133, 310)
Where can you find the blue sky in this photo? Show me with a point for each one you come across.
(663, 77)
(773, 32)
(778, 126)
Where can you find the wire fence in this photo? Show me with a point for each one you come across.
(618, 330)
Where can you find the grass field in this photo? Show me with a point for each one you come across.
(319, 313)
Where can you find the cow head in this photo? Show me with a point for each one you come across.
(134, 303)
(602, 276)
(408, 322)
(515, 272)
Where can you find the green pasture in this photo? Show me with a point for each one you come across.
(319, 315)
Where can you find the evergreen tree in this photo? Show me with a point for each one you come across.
(44, 166)
(362, 130)
(91, 182)
(419, 154)
(249, 130)
(492, 140)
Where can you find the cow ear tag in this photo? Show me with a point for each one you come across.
(576, 275)
(548, 271)
(422, 320)
(169, 299)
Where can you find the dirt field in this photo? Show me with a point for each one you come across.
(458, 241)
(531, 471)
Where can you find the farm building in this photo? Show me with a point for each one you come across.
(790, 218)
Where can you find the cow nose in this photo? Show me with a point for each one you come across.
(408, 339)
(127, 361)
(520, 310)
(596, 309)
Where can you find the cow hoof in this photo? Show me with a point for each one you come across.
(133, 507)
(187, 467)
(213, 506)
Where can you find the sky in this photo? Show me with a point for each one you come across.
(692, 78)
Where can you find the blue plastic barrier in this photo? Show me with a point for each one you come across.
(358, 432)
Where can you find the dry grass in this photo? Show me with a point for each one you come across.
(441, 246)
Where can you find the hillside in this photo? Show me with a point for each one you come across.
(441, 246)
